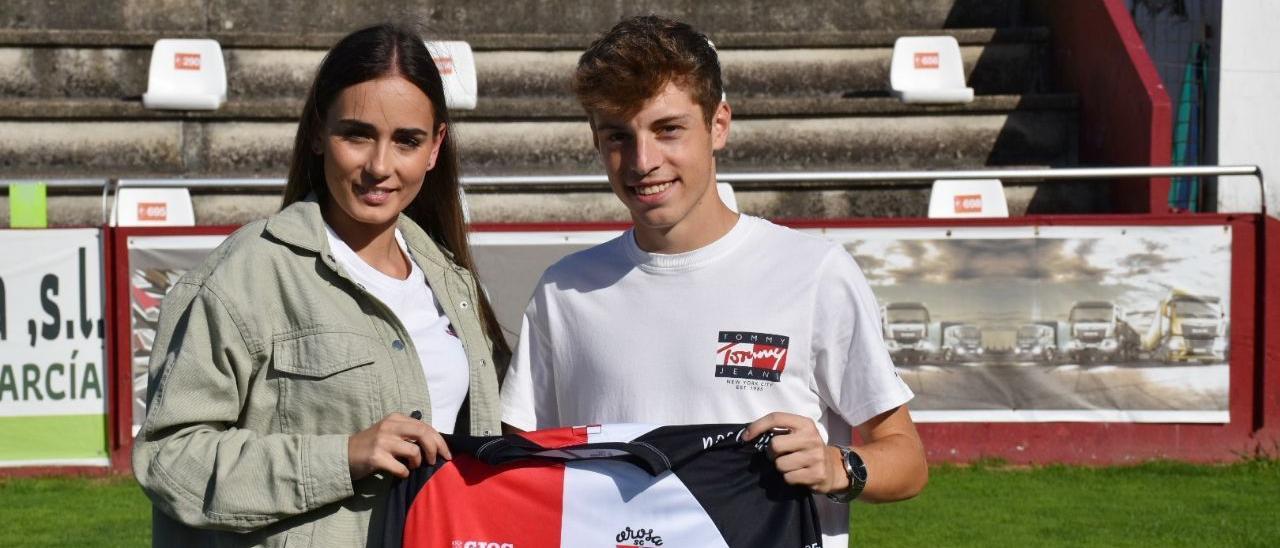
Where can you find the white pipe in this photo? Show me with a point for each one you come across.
(1014, 174)
(799, 176)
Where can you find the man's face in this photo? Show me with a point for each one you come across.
(660, 161)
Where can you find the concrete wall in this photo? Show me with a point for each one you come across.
(1249, 102)
(450, 17)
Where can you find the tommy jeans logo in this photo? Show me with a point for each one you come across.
(752, 356)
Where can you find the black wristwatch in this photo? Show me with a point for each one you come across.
(857, 472)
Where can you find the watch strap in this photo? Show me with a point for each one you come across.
(855, 470)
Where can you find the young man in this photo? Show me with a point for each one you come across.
(699, 314)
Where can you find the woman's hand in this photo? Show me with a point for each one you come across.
(395, 444)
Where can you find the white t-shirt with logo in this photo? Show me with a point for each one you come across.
(764, 319)
(439, 350)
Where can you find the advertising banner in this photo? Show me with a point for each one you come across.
(511, 263)
(1013, 324)
(986, 324)
(1009, 324)
(155, 263)
(53, 380)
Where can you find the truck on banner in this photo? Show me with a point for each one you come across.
(53, 374)
(1060, 323)
(906, 332)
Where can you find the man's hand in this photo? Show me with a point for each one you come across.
(800, 454)
(395, 444)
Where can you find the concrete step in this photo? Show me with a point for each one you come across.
(547, 40)
(531, 19)
(510, 108)
(113, 73)
(989, 69)
(243, 148)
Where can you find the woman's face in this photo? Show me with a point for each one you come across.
(379, 141)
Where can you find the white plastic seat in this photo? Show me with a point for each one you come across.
(466, 205)
(725, 190)
(186, 74)
(457, 67)
(958, 199)
(928, 69)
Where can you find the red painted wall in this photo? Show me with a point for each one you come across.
(1255, 384)
(1126, 117)
(1255, 358)
(1269, 372)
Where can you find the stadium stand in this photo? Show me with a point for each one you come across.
(809, 85)
(811, 90)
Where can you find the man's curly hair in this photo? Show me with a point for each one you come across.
(632, 62)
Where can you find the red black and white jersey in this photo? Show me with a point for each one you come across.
(616, 485)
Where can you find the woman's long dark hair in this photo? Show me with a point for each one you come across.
(368, 54)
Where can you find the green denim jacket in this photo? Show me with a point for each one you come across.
(268, 356)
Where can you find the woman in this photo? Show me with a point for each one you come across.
(289, 363)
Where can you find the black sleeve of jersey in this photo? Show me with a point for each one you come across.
(744, 494)
(400, 499)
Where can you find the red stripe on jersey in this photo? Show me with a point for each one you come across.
(555, 438)
(458, 504)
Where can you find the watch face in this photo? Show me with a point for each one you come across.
(855, 465)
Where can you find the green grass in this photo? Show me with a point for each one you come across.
(1153, 504)
(73, 511)
(988, 504)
